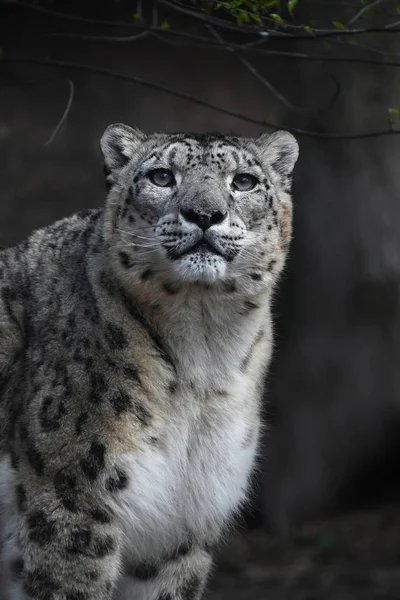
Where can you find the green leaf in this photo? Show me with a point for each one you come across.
(292, 5)
(256, 19)
(308, 29)
(165, 25)
(277, 18)
(338, 25)
(242, 18)
(397, 9)
(136, 16)
(394, 111)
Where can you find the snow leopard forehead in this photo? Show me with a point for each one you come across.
(195, 153)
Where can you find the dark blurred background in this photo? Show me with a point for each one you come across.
(324, 522)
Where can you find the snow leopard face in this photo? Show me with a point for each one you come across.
(199, 207)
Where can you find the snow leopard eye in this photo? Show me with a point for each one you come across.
(162, 177)
(244, 182)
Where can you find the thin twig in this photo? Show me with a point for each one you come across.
(316, 33)
(390, 25)
(64, 115)
(249, 29)
(154, 12)
(61, 15)
(105, 38)
(139, 9)
(364, 47)
(250, 47)
(195, 40)
(189, 97)
(362, 11)
(267, 84)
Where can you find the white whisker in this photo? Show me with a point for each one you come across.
(143, 252)
(133, 245)
(132, 234)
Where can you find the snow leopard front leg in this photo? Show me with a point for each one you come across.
(181, 577)
(65, 548)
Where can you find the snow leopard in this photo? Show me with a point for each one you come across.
(134, 344)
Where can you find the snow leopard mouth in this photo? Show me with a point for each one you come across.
(202, 246)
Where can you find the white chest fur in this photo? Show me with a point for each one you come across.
(192, 481)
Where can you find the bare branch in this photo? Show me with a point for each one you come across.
(189, 97)
(64, 115)
(138, 26)
(139, 8)
(360, 46)
(155, 14)
(106, 38)
(201, 41)
(267, 84)
(61, 15)
(362, 11)
(248, 29)
(395, 24)
(250, 47)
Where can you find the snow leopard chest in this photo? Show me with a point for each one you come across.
(192, 480)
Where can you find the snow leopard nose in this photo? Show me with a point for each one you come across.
(203, 220)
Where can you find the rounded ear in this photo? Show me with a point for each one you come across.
(281, 150)
(118, 145)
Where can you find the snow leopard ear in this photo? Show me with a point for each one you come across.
(118, 145)
(281, 150)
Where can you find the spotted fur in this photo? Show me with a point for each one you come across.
(133, 345)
